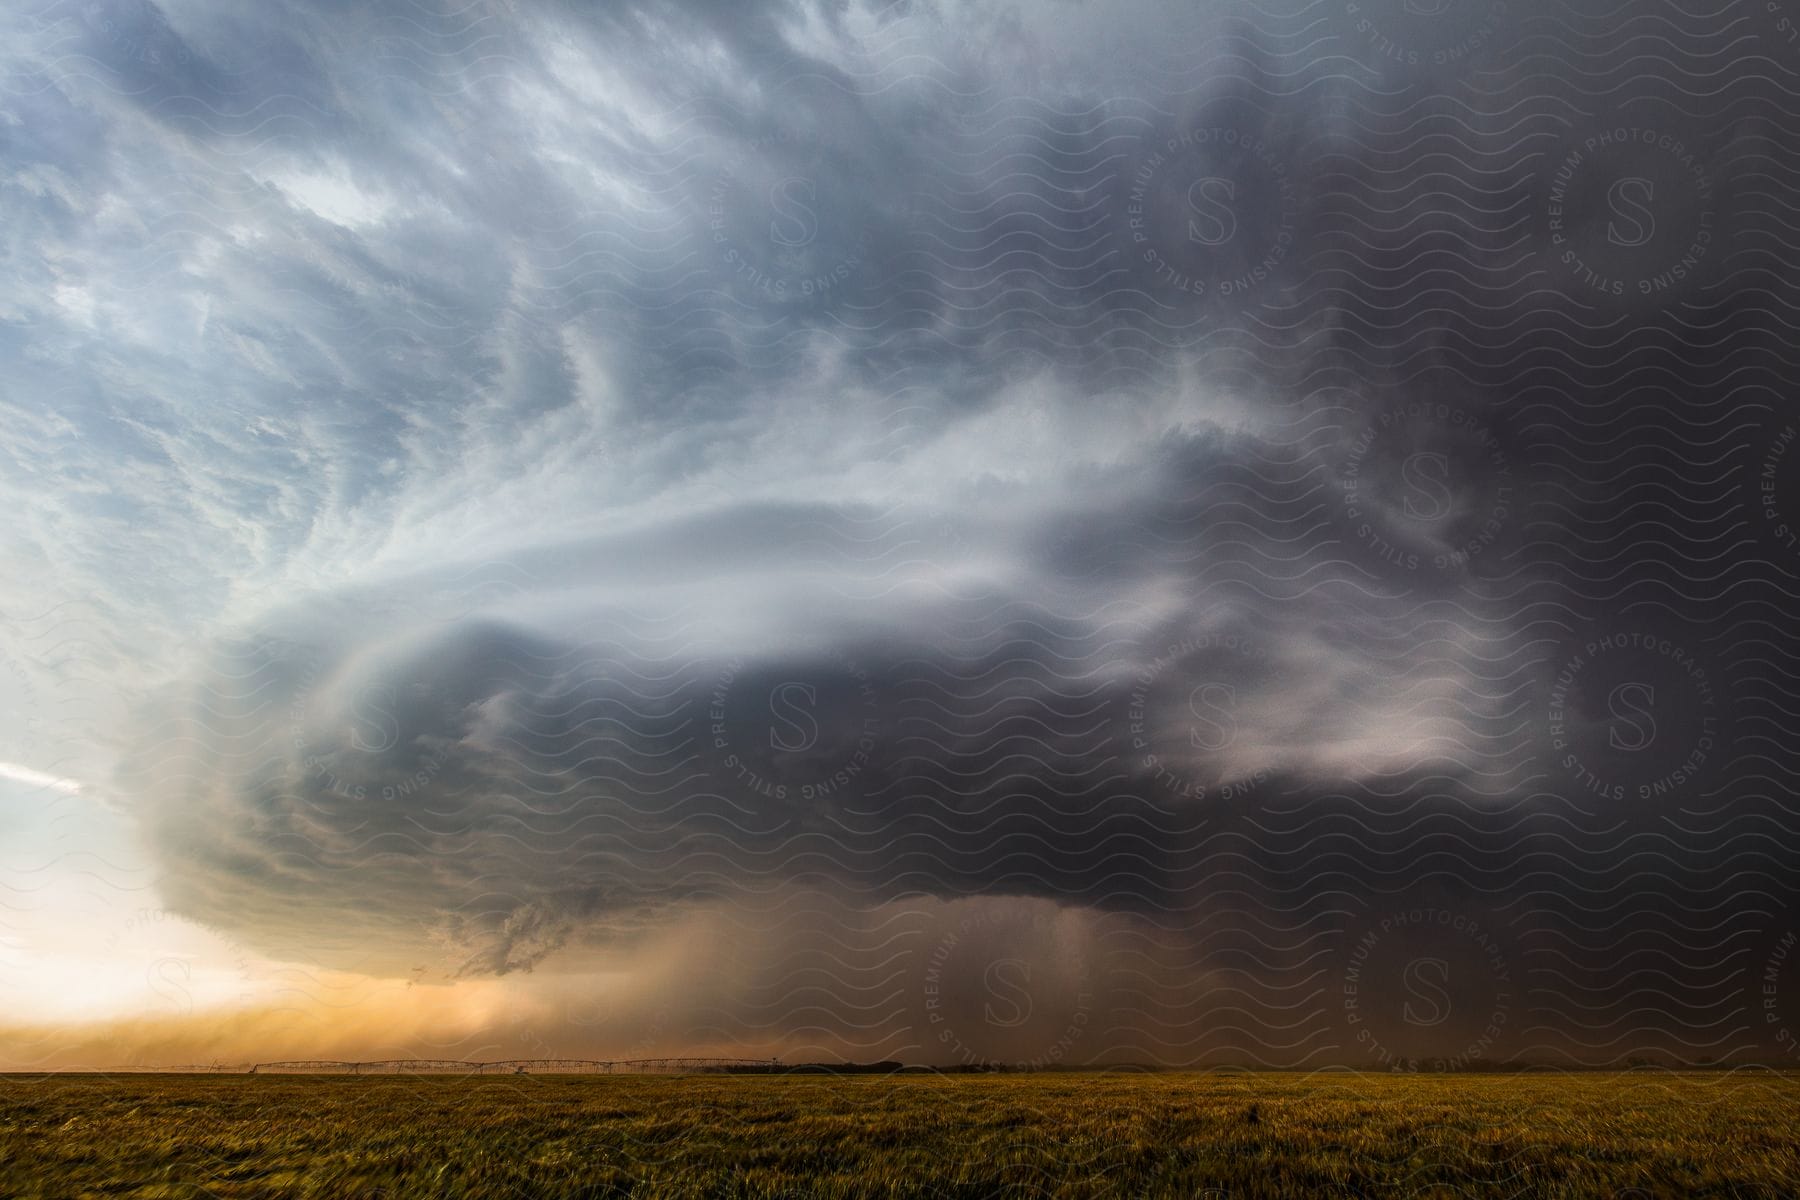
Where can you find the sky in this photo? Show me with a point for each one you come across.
(1070, 533)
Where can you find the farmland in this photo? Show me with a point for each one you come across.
(1624, 1136)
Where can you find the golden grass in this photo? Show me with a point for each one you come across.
(1619, 1136)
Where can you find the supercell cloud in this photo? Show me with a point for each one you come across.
(1067, 533)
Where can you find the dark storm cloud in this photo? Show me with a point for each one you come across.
(1233, 471)
(546, 763)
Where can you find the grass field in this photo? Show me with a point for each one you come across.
(1174, 1135)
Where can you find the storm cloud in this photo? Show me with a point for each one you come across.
(1080, 532)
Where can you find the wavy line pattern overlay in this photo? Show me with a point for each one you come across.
(1242, 535)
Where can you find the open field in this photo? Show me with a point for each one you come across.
(1174, 1135)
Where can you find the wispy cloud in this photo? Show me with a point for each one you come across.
(507, 487)
(38, 779)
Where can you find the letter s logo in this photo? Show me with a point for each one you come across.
(795, 224)
(1633, 223)
(374, 728)
(1214, 724)
(1427, 477)
(1634, 726)
(1006, 981)
(168, 979)
(791, 706)
(1209, 200)
(1425, 979)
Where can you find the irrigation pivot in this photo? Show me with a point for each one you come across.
(513, 1066)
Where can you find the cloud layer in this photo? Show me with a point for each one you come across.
(1195, 496)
